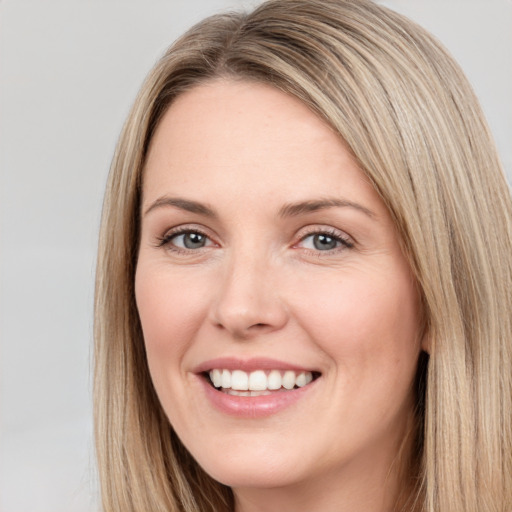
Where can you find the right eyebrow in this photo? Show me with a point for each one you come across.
(294, 209)
(182, 204)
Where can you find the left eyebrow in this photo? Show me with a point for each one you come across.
(294, 209)
(182, 204)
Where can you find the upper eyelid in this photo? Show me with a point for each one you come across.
(300, 234)
(323, 229)
(170, 233)
(186, 228)
(346, 241)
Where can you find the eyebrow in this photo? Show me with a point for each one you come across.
(288, 210)
(182, 204)
(300, 208)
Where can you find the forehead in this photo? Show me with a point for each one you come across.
(248, 137)
(239, 115)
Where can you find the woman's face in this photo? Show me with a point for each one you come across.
(268, 260)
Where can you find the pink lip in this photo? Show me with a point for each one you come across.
(251, 406)
(247, 365)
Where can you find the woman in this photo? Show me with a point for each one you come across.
(304, 275)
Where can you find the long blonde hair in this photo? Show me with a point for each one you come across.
(412, 121)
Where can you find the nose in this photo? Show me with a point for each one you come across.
(249, 302)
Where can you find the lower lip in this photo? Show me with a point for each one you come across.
(254, 406)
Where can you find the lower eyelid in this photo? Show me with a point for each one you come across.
(166, 241)
(343, 241)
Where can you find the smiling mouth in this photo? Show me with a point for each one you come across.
(258, 382)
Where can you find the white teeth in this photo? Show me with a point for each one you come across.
(226, 379)
(301, 380)
(239, 380)
(274, 380)
(234, 392)
(247, 393)
(216, 376)
(258, 382)
(289, 380)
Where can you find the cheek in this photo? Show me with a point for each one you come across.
(170, 310)
(364, 322)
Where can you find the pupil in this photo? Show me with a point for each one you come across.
(193, 240)
(324, 242)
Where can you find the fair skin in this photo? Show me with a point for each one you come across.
(264, 248)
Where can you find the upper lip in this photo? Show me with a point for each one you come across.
(248, 365)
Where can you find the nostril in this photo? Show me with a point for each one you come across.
(259, 327)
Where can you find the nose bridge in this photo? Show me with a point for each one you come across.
(248, 300)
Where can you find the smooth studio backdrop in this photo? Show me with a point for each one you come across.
(69, 71)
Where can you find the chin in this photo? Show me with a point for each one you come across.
(244, 477)
(256, 470)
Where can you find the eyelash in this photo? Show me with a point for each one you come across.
(344, 241)
(166, 240)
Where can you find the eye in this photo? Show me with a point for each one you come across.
(324, 241)
(185, 240)
(190, 240)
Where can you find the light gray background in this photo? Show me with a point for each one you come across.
(69, 71)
